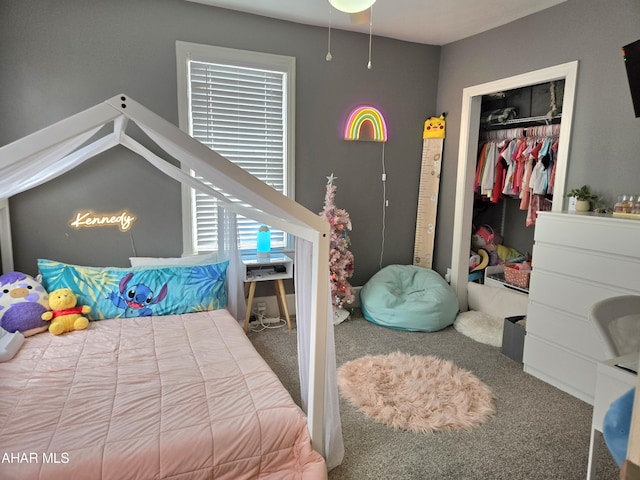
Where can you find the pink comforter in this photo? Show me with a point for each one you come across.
(180, 397)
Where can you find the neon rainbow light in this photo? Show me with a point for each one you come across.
(361, 116)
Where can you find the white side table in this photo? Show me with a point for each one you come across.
(277, 267)
(611, 383)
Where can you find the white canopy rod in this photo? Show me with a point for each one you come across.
(57, 148)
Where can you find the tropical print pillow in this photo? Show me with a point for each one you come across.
(113, 292)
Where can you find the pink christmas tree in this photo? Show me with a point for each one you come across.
(340, 257)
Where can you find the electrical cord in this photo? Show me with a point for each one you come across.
(384, 206)
(133, 244)
(261, 322)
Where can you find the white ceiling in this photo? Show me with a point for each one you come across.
(433, 22)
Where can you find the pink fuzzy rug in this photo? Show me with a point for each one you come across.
(416, 393)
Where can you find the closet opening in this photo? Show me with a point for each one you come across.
(537, 103)
(519, 129)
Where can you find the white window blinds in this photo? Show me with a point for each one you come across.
(240, 112)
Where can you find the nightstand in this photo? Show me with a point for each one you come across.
(277, 267)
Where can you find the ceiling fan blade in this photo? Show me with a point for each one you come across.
(360, 18)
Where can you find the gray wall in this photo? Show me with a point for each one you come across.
(63, 57)
(605, 139)
(59, 58)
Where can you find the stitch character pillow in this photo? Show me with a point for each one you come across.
(22, 302)
(136, 299)
(65, 315)
(114, 292)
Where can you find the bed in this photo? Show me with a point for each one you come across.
(60, 147)
(178, 396)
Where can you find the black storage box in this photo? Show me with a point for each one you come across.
(513, 338)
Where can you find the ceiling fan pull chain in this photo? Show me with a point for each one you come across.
(370, 28)
(329, 57)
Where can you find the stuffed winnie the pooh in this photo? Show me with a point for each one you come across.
(65, 315)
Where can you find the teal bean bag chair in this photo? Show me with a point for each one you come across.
(406, 297)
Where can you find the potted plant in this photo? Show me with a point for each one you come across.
(584, 197)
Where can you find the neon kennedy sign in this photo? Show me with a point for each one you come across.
(87, 219)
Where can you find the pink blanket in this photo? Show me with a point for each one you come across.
(180, 397)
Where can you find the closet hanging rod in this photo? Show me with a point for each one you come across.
(521, 132)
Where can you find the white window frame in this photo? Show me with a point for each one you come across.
(186, 52)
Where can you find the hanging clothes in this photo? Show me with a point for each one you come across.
(519, 163)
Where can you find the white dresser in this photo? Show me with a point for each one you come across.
(578, 259)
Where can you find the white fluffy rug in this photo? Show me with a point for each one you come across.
(481, 327)
(416, 393)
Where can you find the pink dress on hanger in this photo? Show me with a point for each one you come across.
(520, 160)
(528, 167)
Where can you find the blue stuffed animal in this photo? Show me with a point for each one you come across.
(616, 425)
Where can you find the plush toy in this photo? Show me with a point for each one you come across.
(434, 127)
(23, 300)
(65, 315)
(478, 260)
(617, 424)
(485, 237)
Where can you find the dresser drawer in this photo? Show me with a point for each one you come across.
(565, 330)
(567, 371)
(567, 294)
(589, 232)
(602, 268)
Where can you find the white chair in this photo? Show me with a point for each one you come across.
(618, 322)
(617, 319)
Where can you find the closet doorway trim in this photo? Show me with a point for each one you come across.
(467, 157)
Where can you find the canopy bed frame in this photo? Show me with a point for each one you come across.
(62, 146)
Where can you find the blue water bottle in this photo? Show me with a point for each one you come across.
(264, 242)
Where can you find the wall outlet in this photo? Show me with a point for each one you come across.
(261, 307)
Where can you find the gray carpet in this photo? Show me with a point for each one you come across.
(538, 432)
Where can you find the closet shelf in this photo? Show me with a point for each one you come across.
(525, 121)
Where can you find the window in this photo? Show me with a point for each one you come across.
(241, 105)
